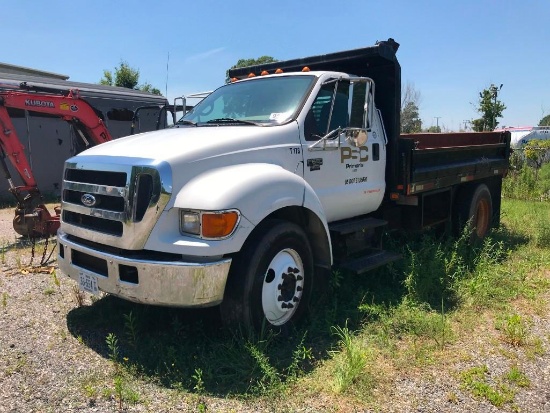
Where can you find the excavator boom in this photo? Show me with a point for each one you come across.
(32, 218)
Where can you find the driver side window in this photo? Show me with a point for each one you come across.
(324, 111)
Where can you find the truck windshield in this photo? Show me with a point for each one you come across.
(261, 101)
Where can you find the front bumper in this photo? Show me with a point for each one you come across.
(167, 283)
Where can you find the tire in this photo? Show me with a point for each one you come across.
(271, 279)
(475, 207)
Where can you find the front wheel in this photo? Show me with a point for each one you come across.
(271, 279)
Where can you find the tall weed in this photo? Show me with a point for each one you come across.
(525, 182)
(416, 320)
(488, 283)
(351, 359)
(542, 232)
(432, 267)
(269, 377)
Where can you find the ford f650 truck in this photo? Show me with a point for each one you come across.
(272, 180)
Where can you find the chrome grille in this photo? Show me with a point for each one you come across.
(113, 203)
(106, 226)
(96, 177)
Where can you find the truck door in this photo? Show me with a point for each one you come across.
(343, 147)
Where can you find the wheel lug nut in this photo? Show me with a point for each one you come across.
(279, 286)
(283, 305)
(299, 278)
(290, 305)
(280, 298)
(298, 288)
(295, 299)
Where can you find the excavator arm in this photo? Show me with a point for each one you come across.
(32, 218)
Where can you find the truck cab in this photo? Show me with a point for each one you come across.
(335, 141)
(281, 147)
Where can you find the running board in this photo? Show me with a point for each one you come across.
(369, 262)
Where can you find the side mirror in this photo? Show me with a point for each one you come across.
(356, 136)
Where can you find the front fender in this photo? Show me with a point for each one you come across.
(256, 190)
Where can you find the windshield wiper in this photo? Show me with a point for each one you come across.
(231, 120)
(186, 122)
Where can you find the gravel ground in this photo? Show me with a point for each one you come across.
(45, 368)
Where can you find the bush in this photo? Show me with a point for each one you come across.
(526, 180)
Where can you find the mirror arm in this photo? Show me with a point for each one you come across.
(328, 137)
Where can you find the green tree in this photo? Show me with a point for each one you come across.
(250, 62)
(490, 108)
(410, 117)
(147, 87)
(128, 77)
(434, 129)
(545, 121)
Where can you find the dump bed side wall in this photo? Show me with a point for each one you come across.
(433, 161)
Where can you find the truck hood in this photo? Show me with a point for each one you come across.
(188, 144)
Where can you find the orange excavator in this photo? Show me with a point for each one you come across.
(32, 218)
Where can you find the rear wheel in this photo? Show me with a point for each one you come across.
(475, 208)
(271, 279)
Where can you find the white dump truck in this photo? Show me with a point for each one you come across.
(290, 170)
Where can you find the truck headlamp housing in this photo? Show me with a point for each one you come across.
(209, 224)
(190, 222)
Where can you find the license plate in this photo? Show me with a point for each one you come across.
(88, 282)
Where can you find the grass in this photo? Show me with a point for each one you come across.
(517, 377)
(476, 381)
(17, 364)
(412, 315)
(514, 329)
(121, 389)
(350, 360)
(498, 391)
(525, 183)
(78, 295)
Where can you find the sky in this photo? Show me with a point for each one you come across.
(449, 50)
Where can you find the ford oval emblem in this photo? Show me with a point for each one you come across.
(89, 200)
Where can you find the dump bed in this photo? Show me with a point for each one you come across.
(430, 161)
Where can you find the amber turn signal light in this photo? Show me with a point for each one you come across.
(218, 225)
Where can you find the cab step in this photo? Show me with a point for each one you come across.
(356, 237)
(369, 262)
(348, 227)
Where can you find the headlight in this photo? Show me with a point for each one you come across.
(190, 222)
(209, 224)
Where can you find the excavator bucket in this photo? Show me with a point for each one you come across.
(37, 222)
